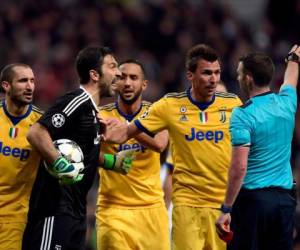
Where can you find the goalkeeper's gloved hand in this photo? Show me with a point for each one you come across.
(66, 172)
(120, 162)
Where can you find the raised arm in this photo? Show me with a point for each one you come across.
(292, 69)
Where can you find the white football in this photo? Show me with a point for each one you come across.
(69, 150)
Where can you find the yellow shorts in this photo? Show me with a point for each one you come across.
(11, 235)
(143, 229)
(194, 228)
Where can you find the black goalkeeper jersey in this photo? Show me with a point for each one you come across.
(72, 117)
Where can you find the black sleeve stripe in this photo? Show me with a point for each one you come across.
(75, 103)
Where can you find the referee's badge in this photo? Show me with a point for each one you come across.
(58, 120)
(183, 117)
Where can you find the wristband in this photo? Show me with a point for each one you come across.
(292, 56)
(109, 161)
(60, 165)
(225, 209)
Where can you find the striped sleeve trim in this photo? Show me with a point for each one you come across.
(176, 95)
(75, 103)
(108, 107)
(142, 128)
(146, 104)
(226, 95)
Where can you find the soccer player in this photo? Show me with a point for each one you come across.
(18, 160)
(197, 121)
(57, 213)
(259, 193)
(131, 213)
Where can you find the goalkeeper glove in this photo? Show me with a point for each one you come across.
(66, 172)
(121, 162)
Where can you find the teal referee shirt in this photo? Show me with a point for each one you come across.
(266, 124)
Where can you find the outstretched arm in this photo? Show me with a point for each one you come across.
(119, 132)
(157, 143)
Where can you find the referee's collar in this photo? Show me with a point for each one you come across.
(91, 98)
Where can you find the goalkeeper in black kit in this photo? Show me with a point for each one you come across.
(57, 210)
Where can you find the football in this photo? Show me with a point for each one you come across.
(69, 150)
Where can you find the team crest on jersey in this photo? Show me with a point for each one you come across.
(58, 120)
(13, 132)
(183, 116)
(146, 113)
(222, 115)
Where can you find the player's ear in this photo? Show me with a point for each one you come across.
(5, 86)
(145, 84)
(189, 75)
(249, 78)
(94, 75)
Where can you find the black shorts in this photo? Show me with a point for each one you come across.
(59, 232)
(263, 219)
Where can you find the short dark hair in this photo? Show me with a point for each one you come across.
(90, 58)
(7, 73)
(137, 62)
(199, 51)
(259, 66)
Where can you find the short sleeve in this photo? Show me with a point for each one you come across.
(240, 130)
(154, 119)
(288, 95)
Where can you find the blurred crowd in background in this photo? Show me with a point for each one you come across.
(48, 34)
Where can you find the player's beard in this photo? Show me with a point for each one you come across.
(106, 90)
(18, 100)
(133, 99)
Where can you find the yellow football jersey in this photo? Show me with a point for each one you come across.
(18, 164)
(141, 187)
(201, 147)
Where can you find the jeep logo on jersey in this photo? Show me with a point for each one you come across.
(58, 120)
(209, 135)
(23, 154)
(136, 146)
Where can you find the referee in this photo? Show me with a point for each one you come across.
(260, 197)
(57, 213)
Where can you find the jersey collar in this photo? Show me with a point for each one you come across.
(262, 94)
(16, 119)
(201, 105)
(126, 116)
